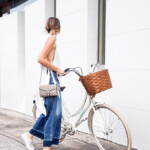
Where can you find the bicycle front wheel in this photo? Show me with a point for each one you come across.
(109, 129)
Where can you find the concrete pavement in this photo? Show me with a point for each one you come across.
(13, 124)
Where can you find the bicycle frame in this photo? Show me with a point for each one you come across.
(66, 115)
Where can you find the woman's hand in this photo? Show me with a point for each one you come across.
(60, 72)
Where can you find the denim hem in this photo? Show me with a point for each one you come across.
(37, 133)
(49, 143)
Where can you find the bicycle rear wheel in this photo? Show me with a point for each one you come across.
(109, 129)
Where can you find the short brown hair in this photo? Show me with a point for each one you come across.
(52, 23)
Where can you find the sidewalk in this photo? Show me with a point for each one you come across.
(13, 124)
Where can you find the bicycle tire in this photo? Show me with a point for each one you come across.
(111, 145)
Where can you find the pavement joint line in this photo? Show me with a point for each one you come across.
(12, 129)
(7, 112)
(29, 120)
(12, 139)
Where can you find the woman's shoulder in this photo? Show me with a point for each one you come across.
(49, 35)
(45, 37)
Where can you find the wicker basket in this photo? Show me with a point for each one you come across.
(96, 82)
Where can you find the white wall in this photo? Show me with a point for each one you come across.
(127, 57)
(36, 15)
(20, 34)
(12, 61)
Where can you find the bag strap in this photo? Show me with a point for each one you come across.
(40, 75)
(48, 72)
(53, 76)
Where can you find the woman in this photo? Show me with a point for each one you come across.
(48, 127)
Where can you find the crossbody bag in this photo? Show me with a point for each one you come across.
(47, 90)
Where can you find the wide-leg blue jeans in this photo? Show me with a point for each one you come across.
(48, 127)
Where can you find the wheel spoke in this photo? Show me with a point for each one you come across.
(111, 131)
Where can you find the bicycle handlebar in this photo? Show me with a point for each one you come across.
(67, 70)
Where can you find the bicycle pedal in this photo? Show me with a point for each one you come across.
(64, 133)
(71, 132)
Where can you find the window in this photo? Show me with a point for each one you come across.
(101, 31)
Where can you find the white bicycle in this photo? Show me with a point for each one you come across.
(107, 127)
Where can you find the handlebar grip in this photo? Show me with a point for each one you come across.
(66, 69)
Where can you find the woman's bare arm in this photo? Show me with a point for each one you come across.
(47, 49)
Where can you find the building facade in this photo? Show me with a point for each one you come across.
(114, 33)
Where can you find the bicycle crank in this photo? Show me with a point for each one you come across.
(66, 131)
